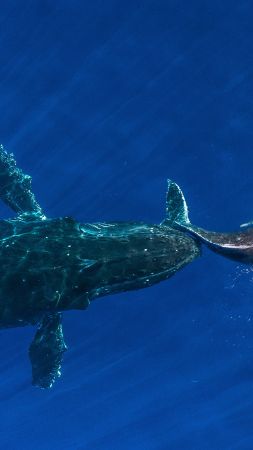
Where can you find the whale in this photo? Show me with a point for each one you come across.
(237, 245)
(52, 265)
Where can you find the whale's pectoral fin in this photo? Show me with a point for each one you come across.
(46, 351)
(176, 207)
(15, 187)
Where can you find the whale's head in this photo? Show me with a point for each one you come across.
(134, 255)
(157, 252)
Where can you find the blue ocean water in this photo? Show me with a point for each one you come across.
(101, 102)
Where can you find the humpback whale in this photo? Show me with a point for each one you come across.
(51, 265)
(237, 246)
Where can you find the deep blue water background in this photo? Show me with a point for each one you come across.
(100, 102)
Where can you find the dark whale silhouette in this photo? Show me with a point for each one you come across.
(52, 265)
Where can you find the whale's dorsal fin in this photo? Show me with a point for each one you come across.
(176, 207)
(15, 187)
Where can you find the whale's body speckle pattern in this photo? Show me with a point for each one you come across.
(52, 265)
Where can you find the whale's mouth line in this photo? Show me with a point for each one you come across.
(110, 289)
(143, 282)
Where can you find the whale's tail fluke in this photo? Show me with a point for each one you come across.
(176, 206)
(177, 214)
(237, 245)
